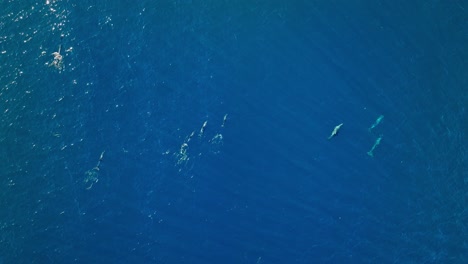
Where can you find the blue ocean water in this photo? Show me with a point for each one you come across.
(197, 131)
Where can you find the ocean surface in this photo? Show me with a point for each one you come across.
(202, 131)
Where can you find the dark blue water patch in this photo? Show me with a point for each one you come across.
(141, 77)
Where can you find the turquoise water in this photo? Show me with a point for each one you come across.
(197, 132)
